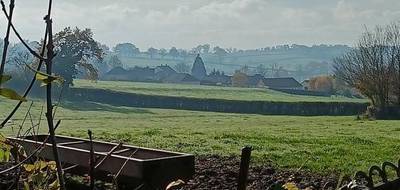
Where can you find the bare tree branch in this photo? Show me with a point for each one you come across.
(6, 39)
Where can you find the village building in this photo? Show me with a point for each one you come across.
(181, 78)
(217, 78)
(306, 84)
(163, 71)
(139, 74)
(287, 83)
(256, 81)
(198, 69)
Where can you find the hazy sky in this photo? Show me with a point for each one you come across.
(228, 23)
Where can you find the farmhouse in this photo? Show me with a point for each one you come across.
(256, 81)
(217, 79)
(181, 78)
(163, 71)
(140, 74)
(288, 83)
(306, 84)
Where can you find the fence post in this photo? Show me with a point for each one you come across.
(244, 167)
(91, 161)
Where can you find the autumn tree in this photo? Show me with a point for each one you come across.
(322, 84)
(240, 79)
(76, 49)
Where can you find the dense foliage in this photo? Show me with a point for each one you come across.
(76, 50)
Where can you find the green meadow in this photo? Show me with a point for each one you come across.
(208, 92)
(320, 144)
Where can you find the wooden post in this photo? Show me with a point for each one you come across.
(244, 167)
(91, 161)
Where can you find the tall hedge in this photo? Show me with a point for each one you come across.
(217, 105)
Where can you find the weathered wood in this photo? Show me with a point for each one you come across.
(69, 143)
(244, 167)
(91, 161)
(107, 155)
(150, 166)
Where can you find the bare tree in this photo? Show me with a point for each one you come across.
(373, 66)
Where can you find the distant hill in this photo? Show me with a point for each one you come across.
(297, 61)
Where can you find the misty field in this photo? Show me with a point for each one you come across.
(208, 92)
(321, 144)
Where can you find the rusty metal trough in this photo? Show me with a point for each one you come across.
(147, 166)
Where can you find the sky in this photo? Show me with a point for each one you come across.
(244, 24)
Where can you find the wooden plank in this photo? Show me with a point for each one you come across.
(70, 143)
(122, 151)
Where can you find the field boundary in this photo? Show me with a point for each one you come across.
(217, 105)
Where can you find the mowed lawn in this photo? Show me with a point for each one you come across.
(209, 92)
(321, 144)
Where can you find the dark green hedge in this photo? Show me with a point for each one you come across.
(217, 105)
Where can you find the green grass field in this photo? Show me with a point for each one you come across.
(321, 144)
(211, 92)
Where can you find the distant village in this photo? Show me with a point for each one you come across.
(199, 76)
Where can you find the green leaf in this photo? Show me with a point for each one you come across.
(4, 78)
(2, 155)
(11, 94)
(7, 154)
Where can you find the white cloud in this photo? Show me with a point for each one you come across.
(228, 23)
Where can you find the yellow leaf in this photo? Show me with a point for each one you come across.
(52, 165)
(29, 167)
(40, 165)
(290, 186)
(4, 78)
(26, 185)
(55, 185)
(11, 94)
(46, 78)
(2, 138)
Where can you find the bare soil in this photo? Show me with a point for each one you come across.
(215, 172)
(221, 173)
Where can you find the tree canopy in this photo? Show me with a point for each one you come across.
(76, 50)
(126, 49)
